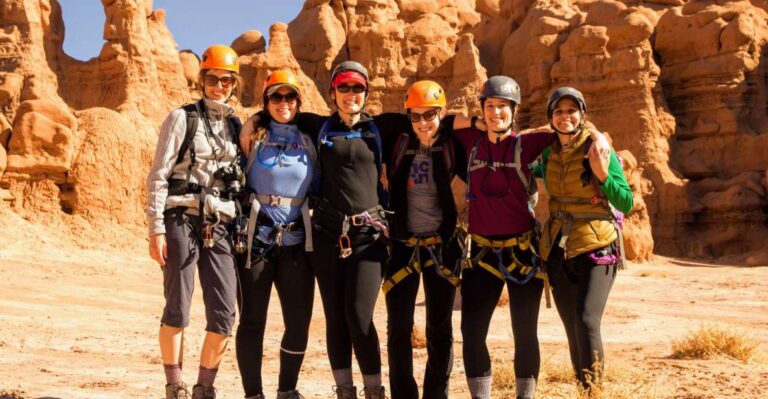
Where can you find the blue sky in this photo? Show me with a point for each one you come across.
(195, 24)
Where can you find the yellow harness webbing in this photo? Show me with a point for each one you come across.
(416, 266)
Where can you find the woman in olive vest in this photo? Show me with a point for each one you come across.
(581, 240)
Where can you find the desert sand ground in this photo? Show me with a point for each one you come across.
(82, 323)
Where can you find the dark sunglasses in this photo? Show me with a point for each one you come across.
(226, 81)
(277, 98)
(427, 116)
(357, 89)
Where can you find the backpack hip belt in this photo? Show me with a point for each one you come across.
(523, 241)
(432, 243)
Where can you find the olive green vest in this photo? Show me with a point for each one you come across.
(581, 214)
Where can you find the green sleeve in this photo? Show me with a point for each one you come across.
(539, 170)
(616, 188)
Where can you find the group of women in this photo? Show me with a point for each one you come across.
(383, 217)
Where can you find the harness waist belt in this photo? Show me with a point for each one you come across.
(276, 200)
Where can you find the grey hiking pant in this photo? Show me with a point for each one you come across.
(218, 276)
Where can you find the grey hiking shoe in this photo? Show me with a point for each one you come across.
(374, 393)
(345, 392)
(176, 391)
(201, 392)
(289, 395)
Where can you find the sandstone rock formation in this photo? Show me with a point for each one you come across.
(679, 85)
(79, 135)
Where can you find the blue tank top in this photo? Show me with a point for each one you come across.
(283, 167)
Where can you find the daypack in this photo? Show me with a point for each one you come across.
(401, 149)
(373, 131)
(193, 112)
(528, 183)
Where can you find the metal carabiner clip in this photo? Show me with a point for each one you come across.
(345, 246)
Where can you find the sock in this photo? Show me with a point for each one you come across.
(206, 376)
(290, 366)
(172, 373)
(372, 380)
(526, 387)
(343, 377)
(480, 387)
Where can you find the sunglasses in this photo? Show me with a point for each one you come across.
(357, 89)
(427, 116)
(226, 81)
(277, 98)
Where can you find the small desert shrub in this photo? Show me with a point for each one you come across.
(711, 341)
(12, 394)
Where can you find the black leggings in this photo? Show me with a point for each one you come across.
(288, 268)
(401, 300)
(480, 292)
(580, 289)
(349, 288)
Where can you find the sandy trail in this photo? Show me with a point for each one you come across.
(80, 323)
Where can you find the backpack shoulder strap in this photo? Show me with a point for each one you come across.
(188, 142)
(449, 154)
(518, 164)
(401, 147)
(309, 146)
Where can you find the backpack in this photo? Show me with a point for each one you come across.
(528, 183)
(401, 149)
(193, 112)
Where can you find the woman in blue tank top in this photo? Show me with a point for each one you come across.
(279, 173)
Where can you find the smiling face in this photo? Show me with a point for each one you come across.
(566, 117)
(427, 124)
(350, 102)
(218, 84)
(283, 105)
(498, 114)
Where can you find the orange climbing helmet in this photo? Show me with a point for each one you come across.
(278, 79)
(220, 56)
(425, 93)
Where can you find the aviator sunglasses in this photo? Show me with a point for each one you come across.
(427, 116)
(346, 88)
(277, 98)
(226, 81)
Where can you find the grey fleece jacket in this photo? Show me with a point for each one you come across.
(211, 154)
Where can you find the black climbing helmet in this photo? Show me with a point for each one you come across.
(349, 66)
(566, 92)
(501, 87)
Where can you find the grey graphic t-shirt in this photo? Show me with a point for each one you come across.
(424, 212)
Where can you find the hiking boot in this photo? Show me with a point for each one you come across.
(176, 391)
(201, 392)
(345, 392)
(289, 395)
(374, 393)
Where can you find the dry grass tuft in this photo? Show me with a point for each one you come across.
(711, 341)
(11, 394)
(556, 380)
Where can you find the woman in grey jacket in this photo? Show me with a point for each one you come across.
(194, 177)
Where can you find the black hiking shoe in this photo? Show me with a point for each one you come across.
(345, 392)
(201, 392)
(176, 391)
(289, 395)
